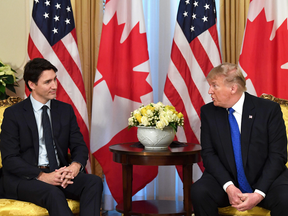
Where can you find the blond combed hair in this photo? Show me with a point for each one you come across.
(232, 75)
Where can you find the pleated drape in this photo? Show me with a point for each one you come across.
(233, 15)
(88, 20)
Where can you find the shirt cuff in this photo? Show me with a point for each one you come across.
(227, 184)
(260, 192)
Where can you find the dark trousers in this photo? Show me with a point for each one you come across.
(87, 188)
(207, 195)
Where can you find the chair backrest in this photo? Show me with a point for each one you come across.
(283, 104)
(3, 105)
(284, 107)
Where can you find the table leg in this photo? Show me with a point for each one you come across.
(127, 170)
(187, 181)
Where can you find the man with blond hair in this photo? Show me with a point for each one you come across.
(244, 149)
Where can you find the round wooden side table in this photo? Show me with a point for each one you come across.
(129, 154)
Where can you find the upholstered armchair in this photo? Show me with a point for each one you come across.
(258, 211)
(20, 208)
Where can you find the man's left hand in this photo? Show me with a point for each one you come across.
(249, 200)
(69, 173)
(74, 168)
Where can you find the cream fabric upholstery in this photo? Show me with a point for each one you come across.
(258, 211)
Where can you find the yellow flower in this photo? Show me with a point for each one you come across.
(168, 107)
(138, 117)
(180, 115)
(143, 111)
(149, 107)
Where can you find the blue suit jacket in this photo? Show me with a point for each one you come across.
(20, 142)
(263, 143)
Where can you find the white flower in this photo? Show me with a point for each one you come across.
(145, 121)
(137, 111)
(160, 125)
(131, 121)
(7, 80)
(164, 119)
(150, 113)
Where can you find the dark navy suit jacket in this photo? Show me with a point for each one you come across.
(20, 142)
(263, 144)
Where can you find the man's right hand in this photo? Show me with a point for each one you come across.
(60, 177)
(234, 195)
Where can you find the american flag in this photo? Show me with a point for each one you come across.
(53, 37)
(195, 51)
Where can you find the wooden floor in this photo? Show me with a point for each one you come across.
(114, 213)
(111, 213)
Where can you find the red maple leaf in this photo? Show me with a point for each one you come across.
(116, 61)
(262, 58)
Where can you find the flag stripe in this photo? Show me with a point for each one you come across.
(175, 98)
(210, 48)
(82, 125)
(32, 49)
(199, 78)
(179, 85)
(201, 56)
(69, 65)
(181, 67)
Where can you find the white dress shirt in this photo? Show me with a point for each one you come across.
(37, 108)
(238, 107)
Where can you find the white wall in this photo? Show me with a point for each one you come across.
(15, 18)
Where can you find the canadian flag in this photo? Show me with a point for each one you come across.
(122, 84)
(264, 56)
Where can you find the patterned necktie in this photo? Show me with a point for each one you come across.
(236, 142)
(48, 139)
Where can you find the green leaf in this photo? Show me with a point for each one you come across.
(9, 79)
(2, 89)
(3, 96)
(13, 70)
(11, 88)
(172, 124)
(129, 127)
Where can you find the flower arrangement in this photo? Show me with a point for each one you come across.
(7, 80)
(156, 115)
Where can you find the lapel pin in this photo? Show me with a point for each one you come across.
(250, 116)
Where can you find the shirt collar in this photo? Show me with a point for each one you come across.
(238, 107)
(37, 105)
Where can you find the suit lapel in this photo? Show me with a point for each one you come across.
(56, 127)
(223, 128)
(55, 117)
(31, 122)
(248, 116)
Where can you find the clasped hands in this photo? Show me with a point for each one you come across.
(61, 177)
(242, 201)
